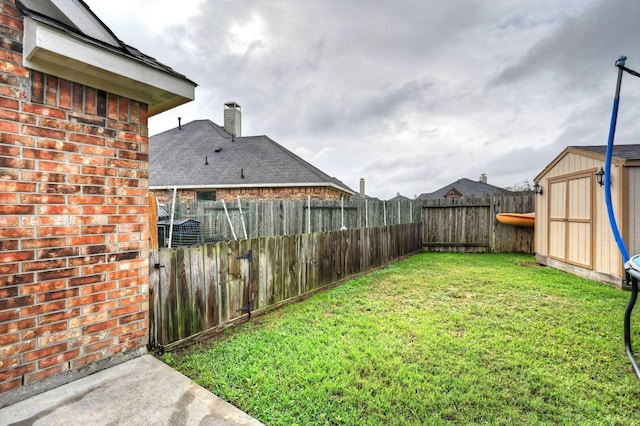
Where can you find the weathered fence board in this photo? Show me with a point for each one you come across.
(213, 294)
(196, 291)
(448, 225)
(470, 225)
(283, 217)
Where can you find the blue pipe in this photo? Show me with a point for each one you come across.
(612, 219)
(607, 165)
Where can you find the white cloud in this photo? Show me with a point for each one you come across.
(132, 19)
(246, 37)
(411, 94)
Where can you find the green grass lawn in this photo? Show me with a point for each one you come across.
(434, 339)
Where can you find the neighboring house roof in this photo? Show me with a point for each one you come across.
(629, 155)
(464, 186)
(202, 155)
(66, 39)
(358, 197)
(399, 197)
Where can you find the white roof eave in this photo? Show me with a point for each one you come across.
(55, 52)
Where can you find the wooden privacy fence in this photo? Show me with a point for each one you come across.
(245, 219)
(470, 225)
(195, 292)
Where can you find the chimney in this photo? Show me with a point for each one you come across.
(483, 178)
(362, 194)
(233, 118)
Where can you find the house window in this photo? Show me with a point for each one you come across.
(206, 196)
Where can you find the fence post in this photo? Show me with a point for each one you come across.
(492, 225)
(410, 212)
(308, 214)
(233, 232)
(244, 228)
(283, 211)
(173, 212)
(366, 213)
(384, 212)
(152, 202)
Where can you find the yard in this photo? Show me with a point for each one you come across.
(433, 339)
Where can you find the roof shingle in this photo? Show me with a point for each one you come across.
(467, 187)
(626, 152)
(202, 154)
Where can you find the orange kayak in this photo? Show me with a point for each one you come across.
(517, 219)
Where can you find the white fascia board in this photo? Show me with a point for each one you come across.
(49, 50)
(255, 185)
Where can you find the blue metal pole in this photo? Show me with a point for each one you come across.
(607, 166)
(612, 219)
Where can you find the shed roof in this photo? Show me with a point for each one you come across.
(201, 154)
(466, 187)
(627, 155)
(625, 152)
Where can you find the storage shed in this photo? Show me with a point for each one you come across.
(572, 231)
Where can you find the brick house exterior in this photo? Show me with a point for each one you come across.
(74, 226)
(205, 161)
(258, 193)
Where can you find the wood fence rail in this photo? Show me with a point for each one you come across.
(198, 291)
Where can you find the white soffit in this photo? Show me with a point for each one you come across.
(55, 52)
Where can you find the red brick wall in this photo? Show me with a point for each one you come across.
(73, 221)
(284, 193)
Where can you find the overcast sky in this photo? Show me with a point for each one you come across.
(409, 94)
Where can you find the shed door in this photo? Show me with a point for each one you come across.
(570, 223)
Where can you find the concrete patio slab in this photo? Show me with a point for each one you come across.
(141, 391)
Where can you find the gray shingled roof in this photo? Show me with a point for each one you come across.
(202, 154)
(358, 197)
(400, 197)
(626, 152)
(467, 187)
